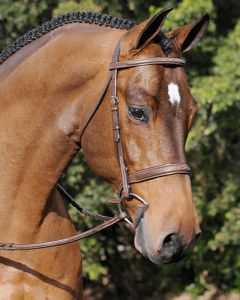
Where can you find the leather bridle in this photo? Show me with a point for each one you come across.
(125, 186)
(124, 189)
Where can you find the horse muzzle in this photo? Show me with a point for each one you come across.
(170, 249)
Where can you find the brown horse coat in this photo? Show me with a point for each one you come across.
(46, 91)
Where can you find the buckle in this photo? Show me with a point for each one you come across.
(114, 103)
(140, 211)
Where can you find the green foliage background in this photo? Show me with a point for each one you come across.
(111, 264)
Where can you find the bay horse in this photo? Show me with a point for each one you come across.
(51, 79)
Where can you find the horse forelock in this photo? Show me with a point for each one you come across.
(165, 43)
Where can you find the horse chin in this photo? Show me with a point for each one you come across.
(139, 240)
(141, 244)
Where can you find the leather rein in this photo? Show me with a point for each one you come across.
(124, 189)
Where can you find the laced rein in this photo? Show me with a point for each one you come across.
(124, 189)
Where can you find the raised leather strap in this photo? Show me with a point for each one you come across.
(147, 61)
(81, 209)
(77, 237)
(155, 172)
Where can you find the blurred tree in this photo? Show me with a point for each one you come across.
(217, 164)
(17, 17)
(85, 5)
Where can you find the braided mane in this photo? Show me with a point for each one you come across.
(73, 17)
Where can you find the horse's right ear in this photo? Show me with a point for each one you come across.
(142, 34)
(188, 35)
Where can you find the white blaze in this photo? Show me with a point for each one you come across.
(173, 93)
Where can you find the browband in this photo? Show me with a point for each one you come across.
(170, 61)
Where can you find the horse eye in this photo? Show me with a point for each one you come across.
(136, 113)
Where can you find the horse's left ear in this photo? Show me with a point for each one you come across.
(142, 34)
(188, 35)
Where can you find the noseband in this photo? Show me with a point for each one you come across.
(125, 186)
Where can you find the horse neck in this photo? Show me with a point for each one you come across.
(44, 101)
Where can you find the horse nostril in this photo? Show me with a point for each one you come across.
(172, 246)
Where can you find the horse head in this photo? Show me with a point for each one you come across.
(156, 110)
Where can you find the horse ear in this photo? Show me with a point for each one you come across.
(189, 35)
(142, 34)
